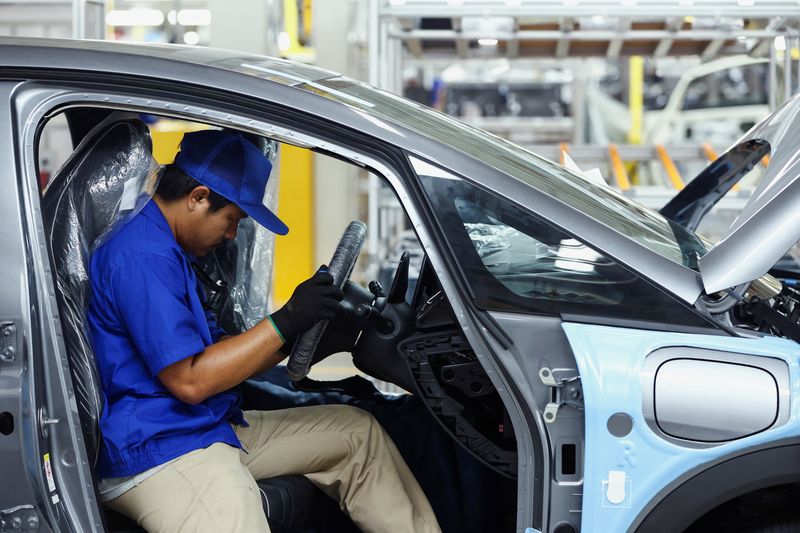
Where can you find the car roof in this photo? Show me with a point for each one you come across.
(146, 59)
(335, 99)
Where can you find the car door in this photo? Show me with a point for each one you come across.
(662, 407)
(22, 449)
(46, 462)
(694, 201)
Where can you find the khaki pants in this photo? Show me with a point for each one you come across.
(341, 449)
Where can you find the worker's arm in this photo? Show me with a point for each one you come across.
(232, 360)
(224, 364)
(279, 356)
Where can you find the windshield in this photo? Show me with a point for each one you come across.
(604, 204)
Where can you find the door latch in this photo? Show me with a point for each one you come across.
(45, 422)
(563, 391)
(8, 341)
(19, 518)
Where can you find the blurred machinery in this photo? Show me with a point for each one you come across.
(647, 93)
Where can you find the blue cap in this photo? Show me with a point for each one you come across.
(232, 167)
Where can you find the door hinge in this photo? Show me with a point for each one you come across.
(19, 518)
(563, 391)
(8, 341)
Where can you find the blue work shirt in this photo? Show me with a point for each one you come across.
(146, 313)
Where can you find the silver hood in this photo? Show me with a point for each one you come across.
(769, 225)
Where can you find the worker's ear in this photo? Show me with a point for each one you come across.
(198, 198)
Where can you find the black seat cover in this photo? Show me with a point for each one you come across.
(288, 502)
(80, 204)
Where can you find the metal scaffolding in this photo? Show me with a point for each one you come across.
(548, 33)
(564, 28)
(79, 19)
(454, 30)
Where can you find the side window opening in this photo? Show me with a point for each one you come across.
(736, 86)
(552, 267)
(479, 421)
(55, 146)
(515, 261)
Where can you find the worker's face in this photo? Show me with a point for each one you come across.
(205, 230)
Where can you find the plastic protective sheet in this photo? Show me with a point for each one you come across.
(138, 180)
(563, 269)
(108, 178)
(244, 266)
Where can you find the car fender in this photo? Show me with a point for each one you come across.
(683, 502)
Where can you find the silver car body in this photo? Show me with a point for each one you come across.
(770, 222)
(400, 141)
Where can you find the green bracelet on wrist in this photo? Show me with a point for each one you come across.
(276, 328)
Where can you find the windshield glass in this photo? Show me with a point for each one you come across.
(604, 204)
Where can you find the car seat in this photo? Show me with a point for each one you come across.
(80, 204)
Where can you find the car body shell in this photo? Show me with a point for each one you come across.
(301, 105)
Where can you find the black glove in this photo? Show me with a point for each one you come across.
(340, 336)
(313, 300)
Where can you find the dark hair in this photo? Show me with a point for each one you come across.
(175, 184)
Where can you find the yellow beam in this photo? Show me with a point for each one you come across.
(636, 98)
(294, 252)
(307, 17)
(618, 169)
(291, 26)
(669, 166)
(166, 135)
(709, 152)
(563, 149)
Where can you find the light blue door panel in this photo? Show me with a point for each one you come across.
(610, 362)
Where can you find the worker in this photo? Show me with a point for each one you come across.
(178, 454)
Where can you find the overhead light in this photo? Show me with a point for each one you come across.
(598, 19)
(570, 2)
(742, 38)
(194, 17)
(627, 2)
(745, 3)
(685, 2)
(397, 2)
(191, 37)
(284, 41)
(190, 17)
(513, 2)
(135, 17)
(455, 2)
(487, 42)
(780, 43)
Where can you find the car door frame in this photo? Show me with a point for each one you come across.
(36, 100)
(28, 459)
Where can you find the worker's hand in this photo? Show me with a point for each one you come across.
(313, 300)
